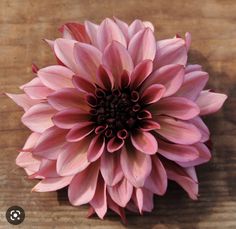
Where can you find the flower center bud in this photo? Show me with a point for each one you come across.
(116, 110)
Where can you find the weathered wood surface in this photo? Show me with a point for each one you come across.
(23, 23)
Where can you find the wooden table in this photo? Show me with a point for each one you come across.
(23, 23)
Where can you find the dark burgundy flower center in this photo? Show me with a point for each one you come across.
(116, 112)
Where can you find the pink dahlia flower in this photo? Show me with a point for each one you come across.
(116, 117)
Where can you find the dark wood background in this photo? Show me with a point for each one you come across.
(23, 23)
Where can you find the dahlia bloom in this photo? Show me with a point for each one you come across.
(116, 117)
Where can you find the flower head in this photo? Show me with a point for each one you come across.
(116, 117)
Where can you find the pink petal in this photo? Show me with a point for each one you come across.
(56, 77)
(68, 118)
(157, 181)
(38, 117)
(72, 158)
(50, 143)
(136, 166)
(136, 26)
(197, 121)
(99, 201)
(170, 51)
(124, 81)
(148, 24)
(110, 168)
(153, 93)
(26, 159)
(210, 102)
(114, 144)
(117, 59)
(177, 107)
(170, 76)
(80, 131)
(96, 148)
(188, 40)
(144, 142)
(142, 46)
(23, 100)
(107, 32)
(193, 83)
(141, 72)
(177, 131)
(121, 193)
(192, 67)
(76, 30)
(123, 27)
(91, 30)
(175, 152)
(83, 84)
(143, 199)
(180, 176)
(204, 156)
(63, 49)
(68, 98)
(87, 58)
(105, 78)
(39, 93)
(47, 169)
(83, 186)
(52, 184)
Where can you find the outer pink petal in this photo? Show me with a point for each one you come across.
(177, 131)
(80, 131)
(110, 168)
(157, 181)
(52, 184)
(117, 59)
(135, 27)
(210, 102)
(143, 199)
(175, 152)
(40, 92)
(144, 142)
(63, 49)
(83, 186)
(38, 117)
(204, 156)
(181, 176)
(50, 143)
(72, 158)
(56, 77)
(26, 159)
(68, 98)
(192, 67)
(170, 51)
(123, 27)
(99, 201)
(91, 30)
(141, 72)
(171, 76)
(177, 107)
(135, 165)
(88, 58)
(121, 193)
(96, 148)
(142, 46)
(197, 121)
(23, 100)
(193, 83)
(108, 31)
(68, 118)
(75, 31)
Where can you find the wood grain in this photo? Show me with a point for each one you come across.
(23, 23)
